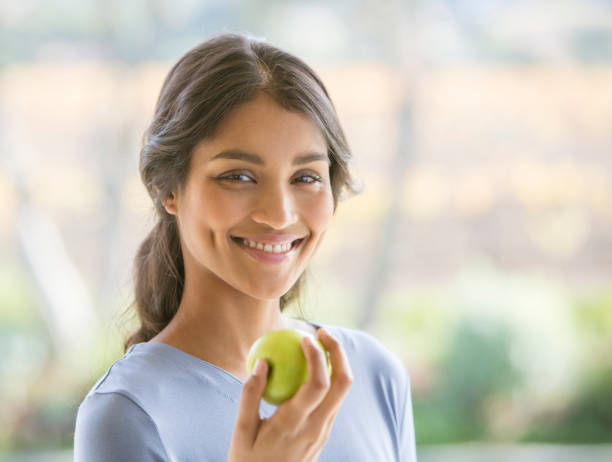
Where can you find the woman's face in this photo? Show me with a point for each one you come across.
(257, 200)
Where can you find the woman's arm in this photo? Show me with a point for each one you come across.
(111, 427)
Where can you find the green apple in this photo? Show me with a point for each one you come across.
(287, 364)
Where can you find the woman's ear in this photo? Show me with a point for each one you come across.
(169, 203)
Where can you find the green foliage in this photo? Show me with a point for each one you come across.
(475, 368)
(17, 303)
(587, 419)
(593, 315)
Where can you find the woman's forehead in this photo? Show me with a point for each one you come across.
(264, 114)
(262, 128)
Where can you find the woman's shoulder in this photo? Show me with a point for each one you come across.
(142, 375)
(130, 371)
(113, 419)
(365, 349)
(113, 426)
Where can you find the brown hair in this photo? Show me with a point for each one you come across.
(199, 91)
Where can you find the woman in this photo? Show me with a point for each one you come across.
(245, 161)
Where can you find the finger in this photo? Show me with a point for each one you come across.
(310, 394)
(341, 379)
(342, 373)
(247, 421)
(318, 380)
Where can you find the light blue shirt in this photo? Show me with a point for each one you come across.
(157, 403)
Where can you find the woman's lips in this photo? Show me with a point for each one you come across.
(264, 256)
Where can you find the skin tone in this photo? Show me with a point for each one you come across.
(230, 298)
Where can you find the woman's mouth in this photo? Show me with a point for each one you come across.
(267, 252)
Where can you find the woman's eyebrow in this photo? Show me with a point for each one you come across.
(237, 154)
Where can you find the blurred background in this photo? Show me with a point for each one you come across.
(480, 251)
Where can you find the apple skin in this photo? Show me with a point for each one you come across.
(287, 364)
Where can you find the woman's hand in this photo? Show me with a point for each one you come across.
(301, 425)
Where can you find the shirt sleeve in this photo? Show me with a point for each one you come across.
(110, 426)
(407, 445)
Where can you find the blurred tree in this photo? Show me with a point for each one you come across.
(475, 368)
(399, 52)
(587, 418)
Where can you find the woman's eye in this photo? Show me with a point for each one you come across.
(236, 177)
(308, 179)
(244, 178)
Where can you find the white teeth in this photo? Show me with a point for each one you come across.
(277, 248)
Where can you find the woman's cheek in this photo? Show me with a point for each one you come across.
(329, 205)
(320, 212)
(221, 207)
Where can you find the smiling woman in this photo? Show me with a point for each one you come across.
(245, 161)
(255, 193)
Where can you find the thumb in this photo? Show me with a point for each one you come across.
(247, 422)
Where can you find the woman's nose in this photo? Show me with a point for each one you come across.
(275, 207)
